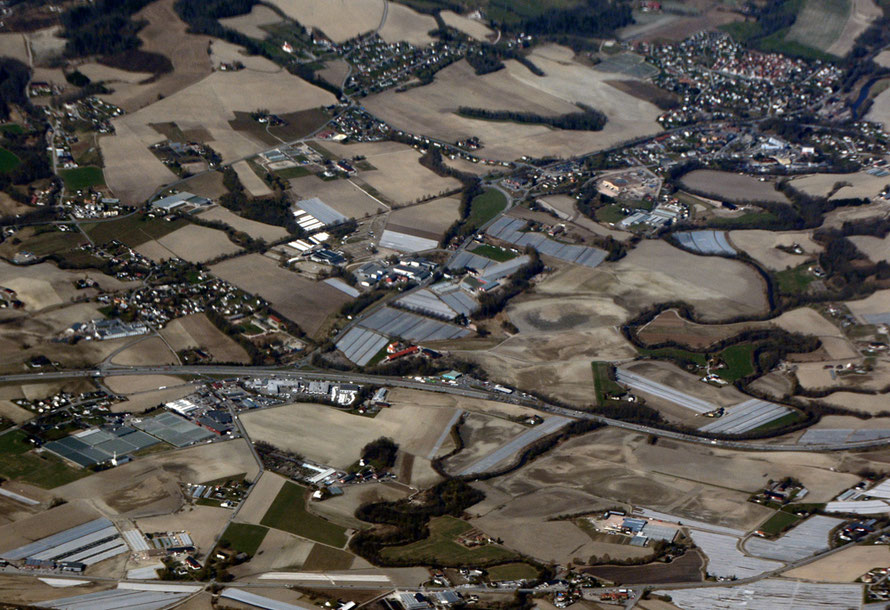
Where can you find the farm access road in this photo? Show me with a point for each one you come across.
(401, 382)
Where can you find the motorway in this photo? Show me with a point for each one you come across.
(251, 371)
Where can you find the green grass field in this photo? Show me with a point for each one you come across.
(45, 470)
(292, 172)
(739, 361)
(11, 128)
(512, 571)
(610, 214)
(486, 206)
(778, 523)
(132, 230)
(8, 160)
(441, 547)
(820, 23)
(496, 254)
(603, 383)
(794, 281)
(288, 512)
(785, 420)
(51, 242)
(82, 177)
(244, 537)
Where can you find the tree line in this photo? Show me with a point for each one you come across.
(589, 119)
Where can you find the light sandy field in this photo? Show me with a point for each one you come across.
(482, 435)
(470, 27)
(147, 351)
(563, 204)
(249, 24)
(874, 248)
(622, 467)
(145, 401)
(761, 246)
(556, 541)
(253, 183)
(13, 510)
(402, 396)
(877, 303)
(131, 384)
(27, 590)
(97, 72)
(731, 186)
(261, 496)
(812, 375)
(149, 486)
(342, 195)
(399, 174)
(810, 322)
(196, 331)
(164, 34)
(428, 219)
(46, 44)
(193, 243)
(838, 217)
(203, 523)
(208, 185)
(45, 524)
(305, 302)
(862, 184)
(883, 58)
(14, 44)
(45, 285)
(870, 403)
(846, 566)
(317, 431)
(328, 15)
(278, 551)
(335, 71)
(14, 413)
(257, 230)
(403, 23)
(341, 509)
(226, 52)
(431, 109)
(209, 105)
(861, 17)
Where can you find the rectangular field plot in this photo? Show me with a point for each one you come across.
(808, 538)
(705, 242)
(515, 446)
(826, 437)
(746, 416)
(361, 345)
(509, 229)
(772, 594)
(725, 560)
(638, 382)
(395, 323)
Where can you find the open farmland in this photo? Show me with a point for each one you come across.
(196, 331)
(257, 230)
(482, 435)
(342, 195)
(341, 509)
(873, 247)
(846, 566)
(166, 35)
(101, 73)
(314, 430)
(133, 173)
(327, 15)
(288, 512)
(251, 23)
(470, 27)
(669, 326)
(144, 351)
(253, 183)
(150, 486)
(203, 523)
(45, 285)
(870, 310)
(428, 220)
(403, 23)
(855, 185)
(192, 242)
(731, 186)
(132, 384)
(305, 302)
(432, 109)
(762, 246)
(442, 544)
(398, 174)
(820, 23)
(688, 568)
(14, 44)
